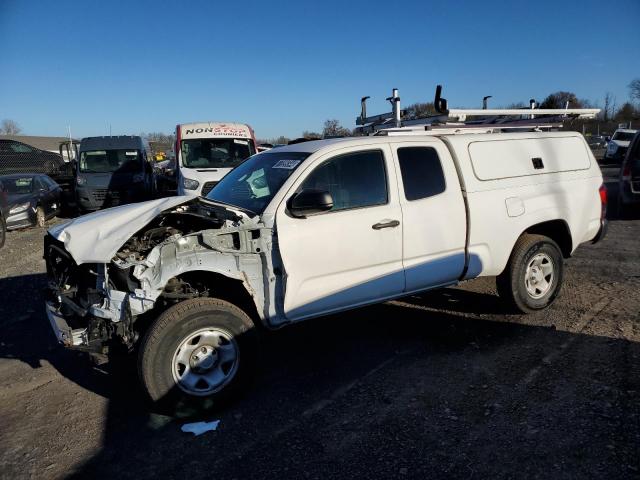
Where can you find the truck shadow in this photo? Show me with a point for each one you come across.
(380, 387)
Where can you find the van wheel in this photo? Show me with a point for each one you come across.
(198, 355)
(40, 217)
(532, 279)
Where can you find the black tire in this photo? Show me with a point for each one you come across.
(512, 282)
(3, 231)
(160, 349)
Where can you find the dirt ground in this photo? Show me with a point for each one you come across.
(442, 385)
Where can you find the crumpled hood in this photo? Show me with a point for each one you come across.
(96, 237)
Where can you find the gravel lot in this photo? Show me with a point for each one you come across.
(436, 385)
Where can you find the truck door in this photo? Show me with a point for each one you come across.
(352, 254)
(433, 215)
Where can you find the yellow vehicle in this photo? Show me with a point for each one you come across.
(159, 156)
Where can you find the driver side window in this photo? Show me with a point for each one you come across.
(354, 180)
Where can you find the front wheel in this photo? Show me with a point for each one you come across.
(532, 279)
(198, 354)
(41, 218)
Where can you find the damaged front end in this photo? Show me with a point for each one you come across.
(191, 249)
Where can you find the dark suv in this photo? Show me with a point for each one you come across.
(630, 177)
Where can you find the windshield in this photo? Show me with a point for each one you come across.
(623, 136)
(215, 152)
(253, 184)
(106, 161)
(18, 185)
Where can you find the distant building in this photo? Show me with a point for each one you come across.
(50, 144)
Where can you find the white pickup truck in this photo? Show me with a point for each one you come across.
(312, 229)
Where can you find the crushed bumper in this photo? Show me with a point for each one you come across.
(64, 333)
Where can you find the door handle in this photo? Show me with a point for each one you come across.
(385, 224)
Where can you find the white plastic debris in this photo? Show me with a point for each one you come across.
(198, 428)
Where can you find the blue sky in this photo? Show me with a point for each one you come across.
(285, 67)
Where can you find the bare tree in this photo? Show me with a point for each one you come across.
(419, 110)
(627, 113)
(332, 128)
(560, 99)
(634, 89)
(606, 111)
(311, 135)
(158, 137)
(10, 127)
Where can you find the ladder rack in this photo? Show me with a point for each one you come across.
(456, 120)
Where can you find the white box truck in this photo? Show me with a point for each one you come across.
(207, 151)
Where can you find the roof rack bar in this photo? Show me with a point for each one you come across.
(462, 114)
(451, 117)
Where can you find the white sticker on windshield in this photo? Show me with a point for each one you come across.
(287, 164)
(241, 142)
(132, 153)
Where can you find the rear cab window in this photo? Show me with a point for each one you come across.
(421, 170)
(354, 180)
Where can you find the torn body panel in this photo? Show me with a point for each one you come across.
(162, 263)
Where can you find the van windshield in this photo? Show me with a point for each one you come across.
(215, 152)
(108, 161)
(253, 184)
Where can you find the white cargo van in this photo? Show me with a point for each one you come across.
(207, 151)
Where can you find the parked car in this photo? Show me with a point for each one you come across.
(618, 145)
(597, 141)
(629, 186)
(18, 157)
(315, 228)
(4, 212)
(32, 199)
(113, 171)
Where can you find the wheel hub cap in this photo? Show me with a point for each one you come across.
(205, 361)
(204, 358)
(539, 276)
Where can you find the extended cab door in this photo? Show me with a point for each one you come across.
(352, 254)
(433, 215)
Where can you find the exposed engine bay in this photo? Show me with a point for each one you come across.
(198, 248)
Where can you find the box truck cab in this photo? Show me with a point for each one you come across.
(207, 151)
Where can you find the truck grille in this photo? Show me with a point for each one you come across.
(102, 195)
(207, 187)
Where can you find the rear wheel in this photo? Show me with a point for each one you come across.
(198, 355)
(533, 277)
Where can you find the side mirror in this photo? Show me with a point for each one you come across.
(310, 202)
(607, 139)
